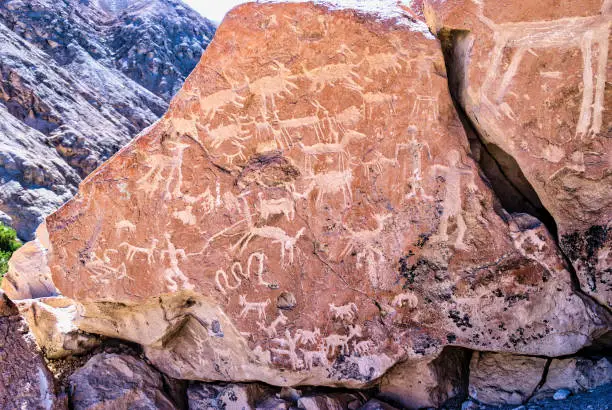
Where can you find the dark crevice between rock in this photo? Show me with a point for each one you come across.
(498, 168)
(542, 380)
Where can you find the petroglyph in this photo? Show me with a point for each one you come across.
(154, 178)
(425, 106)
(270, 207)
(452, 204)
(313, 357)
(415, 149)
(332, 74)
(309, 336)
(346, 312)
(584, 32)
(270, 330)
(383, 63)
(364, 241)
(102, 272)
(258, 307)
(132, 250)
(218, 136)
(329, 183)
(339, 148)
(290, 343)
(125, 226)
(407, 299)
(271, 87)
(238, 273)
(276, 234)
(364, 347)
(214, 103)
(186, 216)
(174, 276)
(373, 99)
(334, 341)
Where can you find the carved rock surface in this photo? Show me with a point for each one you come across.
(117, 381)
(29, 276)
(532, 78)
(25, 381)
(203, 396)
(314, 151)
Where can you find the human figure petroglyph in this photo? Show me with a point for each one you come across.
(407, 299)
(452, 204)
(271, 87)
(334, 341)
(238, 273)
(258, 307)
(174, 274)
(152, 180)
(270, 207)
(312, 357)
(125, 226)
(332, 74)
(415, 149)
(425, 106)
(362, 348)
(346, 312)
(290, 342)
(372, 99)
(309, 336)
(364, 242)
(132, 250)
(584, 32)
(270, 330)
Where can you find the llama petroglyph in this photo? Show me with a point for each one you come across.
(174, 276)
(452, 204)
(346, 312)
(274, 233)
(309, 336)
(334, 341)
(154, 178)
(365, 244)
(329, 183)
(322, 148)
(220, 135)
(331, 75)
(407, 299)
(362, 348)
(383, 63)
(258, 307)
(313, 357)
(131, 251)
(214, 103)
(125, 226)
(373, 99)
(587, 33)
(270, 330)
(270, 207)
(271, 87)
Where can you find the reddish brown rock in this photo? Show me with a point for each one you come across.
(306, 213)
(534, 79)
(25, 381)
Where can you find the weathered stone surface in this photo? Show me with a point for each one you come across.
(575, 375)
(317, 152)
(29, 276)
(532, 78)
(52, 322)
(499, 378)
(25, 381)
(427, 383)
(374, 404)
(117, 381)
(331, 401)
(202, 396)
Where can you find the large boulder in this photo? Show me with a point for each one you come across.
(25, 381)
(531, 76)
(29, 276)
(307, 213)
(117, 381)
(202, 396)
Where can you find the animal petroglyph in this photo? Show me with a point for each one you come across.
(132, 250)
(309, 336)
(238, 273)
(362, 348)
(271, 87)
(125, 226)
(258, 307)
(276, 234)
(313, 357)
(334, 341)
(152, 180)
(102, 272)
(332, 74)
(364, 241)
(214, 103)
(407, 299)
(383, 63)
(218, 136)
(270, 207)
(174, 274)
(339, 148)
(346, 312)
(452, 203)
(329, 183)
(584, 32)
(270, 330)
(373, 99)
(290, 343)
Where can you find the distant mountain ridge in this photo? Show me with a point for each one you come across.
(79, 79)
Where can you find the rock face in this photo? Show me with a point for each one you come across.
(231, 396)
(532, 78)
(29, 276)
(329, 162)
(115, 381)
(25, 381)
(77, 81)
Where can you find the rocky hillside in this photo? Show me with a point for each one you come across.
(356, 205)
(77, 81)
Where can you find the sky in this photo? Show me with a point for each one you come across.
(213, 9)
